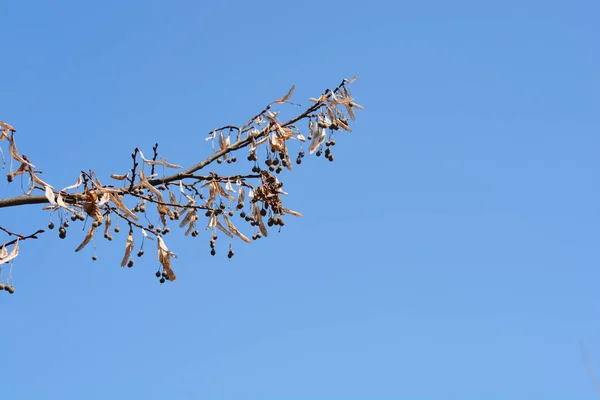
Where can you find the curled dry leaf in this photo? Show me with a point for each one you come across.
(258, 218)
(234, 230)
(291, 212)
(119, 177)
(12, 148)
(144, 182)
(164, 257)
(241, 197)
(76, 184)
(287, 97)
(107, 225)
(114, 197)
(223, 229)
(163, 211)
(91, 206)
(50, 195)
(318, 140)
(10, 256)
(351, 80)
(128, 249)
(145, 234)
(88, 238)
(162, 162)
(61, 202)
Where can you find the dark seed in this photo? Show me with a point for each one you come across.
(130, 263)
(162, 280)
(51, 225)
(157, 274)
(213, 252)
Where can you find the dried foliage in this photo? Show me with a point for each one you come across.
(185, 196)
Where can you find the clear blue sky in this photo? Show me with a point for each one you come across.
(450, 252)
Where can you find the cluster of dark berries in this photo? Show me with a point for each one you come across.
(163, 276)
(213, 239)
(276, 220)
(274, 164)
(252, 156)
(300, 157)
(7, 287)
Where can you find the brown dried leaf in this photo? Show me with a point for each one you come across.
(50, 195)
(286, 98)
(351, 80)
(119, 177)
(91, 206)
(241, 196)
(10, 256)
(222, 191)
(234, 230)
(258, 218)
(291, 212)
(7, 126)
(15, 153)
(128, 249)
(164, 257)
(107, 225)
(88, 238)
(121, 206)
(318, 140)
(342, 124)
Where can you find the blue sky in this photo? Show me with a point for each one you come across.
(450, 251)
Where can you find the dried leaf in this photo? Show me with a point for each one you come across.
(234, 230)
(107, 226)
(286, 98)
(50, 195)
(223, 229)
(222, 191)
(128, 249)
(145, 234)
(12, 148)
(61, 202)
(88, 238)
(342, 124)
(79, 181)
(291, 212)
(121, 206)
(164, 257)
(13, 253)
(318, 140)
(91, 206)
(119, 177)
(351, 80)
(258, 218)
(241, 197)
(144, 182)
